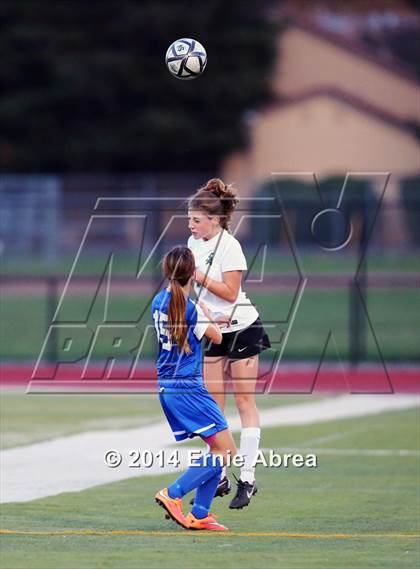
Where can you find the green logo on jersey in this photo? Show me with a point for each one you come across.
(209, 259)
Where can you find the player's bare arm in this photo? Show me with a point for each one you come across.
(228, 289)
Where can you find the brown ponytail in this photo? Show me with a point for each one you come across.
(179, 267)
(215, 198)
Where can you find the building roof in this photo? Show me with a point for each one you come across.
(357, 48)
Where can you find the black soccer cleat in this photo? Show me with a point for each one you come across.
(224, 487)
(244, 493)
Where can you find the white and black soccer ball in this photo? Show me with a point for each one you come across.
(186, 58)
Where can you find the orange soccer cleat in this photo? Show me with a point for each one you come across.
(173, 507)
(208, 523)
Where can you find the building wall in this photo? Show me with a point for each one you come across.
(325, 136)
(306, 61)
(328, 136)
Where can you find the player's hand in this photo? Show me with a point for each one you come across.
(205, 309)
(199, 277)
(223, 320)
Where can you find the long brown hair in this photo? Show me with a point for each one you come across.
(215, 198)
(178, 267)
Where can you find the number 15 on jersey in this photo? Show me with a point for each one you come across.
(160, 319)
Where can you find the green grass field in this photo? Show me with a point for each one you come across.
(24, 322)
(34, 418)
(126, 263)
(354, 510)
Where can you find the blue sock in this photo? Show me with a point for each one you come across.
(204, 497)
(204, 469)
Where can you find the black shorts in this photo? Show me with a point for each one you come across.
(241, 344)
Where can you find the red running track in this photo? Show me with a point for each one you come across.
(299, 378)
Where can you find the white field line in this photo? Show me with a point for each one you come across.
(182, 453)
(331, 437)
(74, 463)
(346, 451)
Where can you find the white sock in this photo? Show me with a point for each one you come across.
(250, 441)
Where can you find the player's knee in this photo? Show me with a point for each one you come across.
(220, 400)
(245, 402)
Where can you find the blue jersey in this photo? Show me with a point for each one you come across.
(170, 363)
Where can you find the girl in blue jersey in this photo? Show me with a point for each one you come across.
(191, 411)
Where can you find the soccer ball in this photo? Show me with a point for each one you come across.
(186, 58)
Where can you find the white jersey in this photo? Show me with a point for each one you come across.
(213, 257)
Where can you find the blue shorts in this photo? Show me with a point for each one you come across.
(191, 412)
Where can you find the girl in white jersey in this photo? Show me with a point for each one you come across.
(219, 265)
